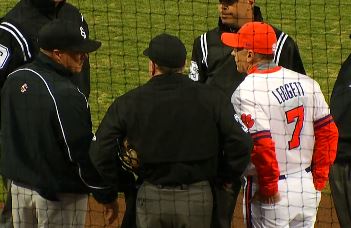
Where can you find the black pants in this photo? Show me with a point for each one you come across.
(340, 184)
(224, 204)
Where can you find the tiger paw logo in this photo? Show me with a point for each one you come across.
(247, 120)
(24, 88)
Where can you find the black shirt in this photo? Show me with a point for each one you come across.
(340, 108)
(47, 131)
(213, 64)
(19, 32)
(178, 127)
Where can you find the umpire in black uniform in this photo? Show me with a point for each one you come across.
(340, 173)
(19, 33)
(180, 129)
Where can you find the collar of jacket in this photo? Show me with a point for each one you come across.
(162, 77)
(226, 28)
(45, 7)
(48, 63)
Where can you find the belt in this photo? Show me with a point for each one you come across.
(23, 185)
(179, 187)
(283, 177)
(182, 186)
(47, 195)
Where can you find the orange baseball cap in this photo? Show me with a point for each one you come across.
(257, 36)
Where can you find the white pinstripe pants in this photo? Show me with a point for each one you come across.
(30, 210)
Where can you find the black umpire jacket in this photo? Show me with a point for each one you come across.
(18, 35)
(340, 108)
(47, 132)
(213, 64)
(179, 128)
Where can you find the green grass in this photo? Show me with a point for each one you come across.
(2, 190)
(320, 27)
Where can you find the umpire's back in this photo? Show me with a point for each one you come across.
(178, 129)
(172, 120)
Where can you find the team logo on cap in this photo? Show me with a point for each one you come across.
(274, 47)
(82, 32)
(24, 88)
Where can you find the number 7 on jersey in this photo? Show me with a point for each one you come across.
(291, 115)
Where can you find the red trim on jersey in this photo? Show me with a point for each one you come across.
(325, 146)
(261, 134)
(322, 122)
(255, 70)
(264, 158)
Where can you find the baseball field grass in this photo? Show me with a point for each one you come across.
(321, 29)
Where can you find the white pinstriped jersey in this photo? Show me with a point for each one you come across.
(284, 105)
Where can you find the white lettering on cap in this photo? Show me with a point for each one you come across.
(82, 32)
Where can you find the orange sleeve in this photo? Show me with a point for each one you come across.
(326, 141)
(264, 158)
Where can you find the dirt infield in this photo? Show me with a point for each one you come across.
(326, 217)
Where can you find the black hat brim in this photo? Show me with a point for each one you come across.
(146, 52)
(86, 47)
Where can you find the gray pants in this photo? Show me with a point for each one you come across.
(30, 210)
(187, 206)
(340, 184)
(5, 212)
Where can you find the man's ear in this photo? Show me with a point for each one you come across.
(251, 2)
(250, 56)
(56, 54)
(153, 68)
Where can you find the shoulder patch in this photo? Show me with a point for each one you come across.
(24, 88)
(194, 71)
(4, 55)
(243, 126)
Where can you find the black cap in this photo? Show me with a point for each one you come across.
(227, 2)
(166, 50)
(67, 36)
(46, 6)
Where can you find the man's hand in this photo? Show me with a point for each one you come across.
(111, 212)
(228, 187)
(266, 199)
